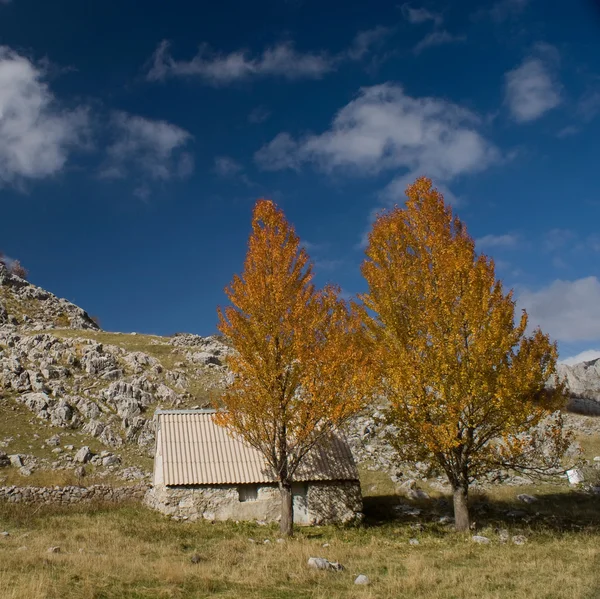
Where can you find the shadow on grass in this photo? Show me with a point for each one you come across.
(562, 511)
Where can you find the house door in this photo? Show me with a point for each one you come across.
(300, 503)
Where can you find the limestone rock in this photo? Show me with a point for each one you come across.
(320, 563)
(480, 539)
(362, 579)
(527, 498)
(83, 455)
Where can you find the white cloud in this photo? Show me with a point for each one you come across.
(280, 60)
(417, 16)
(437, 38)
(568, 310)
(146, 148)
(532, 89)
(36, 133)
(223, 69)
(497, 241)
(226, 166)
(385, 129)
(585, 356)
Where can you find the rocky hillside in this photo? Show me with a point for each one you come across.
(583, 381)
(28, 307)
(65, 385)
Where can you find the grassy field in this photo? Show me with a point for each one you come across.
(132, 553)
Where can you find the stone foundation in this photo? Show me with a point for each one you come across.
(327, 502)
(70, 495)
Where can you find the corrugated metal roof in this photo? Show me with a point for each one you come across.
(196, 451)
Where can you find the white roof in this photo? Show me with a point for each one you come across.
(196, 451)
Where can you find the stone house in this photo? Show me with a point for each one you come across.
(201, 470)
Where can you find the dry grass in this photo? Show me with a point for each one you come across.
(28, 436)
(132, 553)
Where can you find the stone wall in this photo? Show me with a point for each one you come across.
(328, 502)
(71, 494)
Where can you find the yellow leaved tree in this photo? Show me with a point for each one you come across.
(299, 369)
(466, 385)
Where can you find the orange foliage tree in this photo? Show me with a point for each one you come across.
(466, 386)
(299, 370)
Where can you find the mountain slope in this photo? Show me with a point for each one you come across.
(63, 379)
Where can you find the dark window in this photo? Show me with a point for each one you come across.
(248, 492)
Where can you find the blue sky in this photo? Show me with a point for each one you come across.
(135, 138)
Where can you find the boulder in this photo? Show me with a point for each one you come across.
(479, 539)
(527, 498)
(575, 476)
(320, 563)
(83, 455)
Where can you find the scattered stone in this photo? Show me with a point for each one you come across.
(83, 455)
(575, 476)
(25, 471)
(53, 441)
(320, 563)
(111, 460)
(479, 539)
(70, 447)
(195, 559)
(597, 458)
(4, 534)
(416, 494)
(79, 471)
(413, 541)
(503, 535)
(527, 498)
(266, 542)
(362, 579)
(325, 545)
(446, 520)
(55, 549)
(519, 540)
(16, 461)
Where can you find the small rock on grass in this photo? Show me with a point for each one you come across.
(413, 541)
(4, 534)
(55, 549)
(320, 563)
(362, 579)
(195, 559)
(519, 540)
(527, 498)
(503, 535)
(479, 539)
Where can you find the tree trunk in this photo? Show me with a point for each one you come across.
(461, 507)
(286, 525)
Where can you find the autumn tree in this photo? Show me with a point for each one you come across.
(466, 385)
(298, 369)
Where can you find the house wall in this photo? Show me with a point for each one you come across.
(328, 502)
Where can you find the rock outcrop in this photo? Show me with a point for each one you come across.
(29, 307)
(583, 383)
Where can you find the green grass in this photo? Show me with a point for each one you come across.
(20, 424)
(130, 552)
